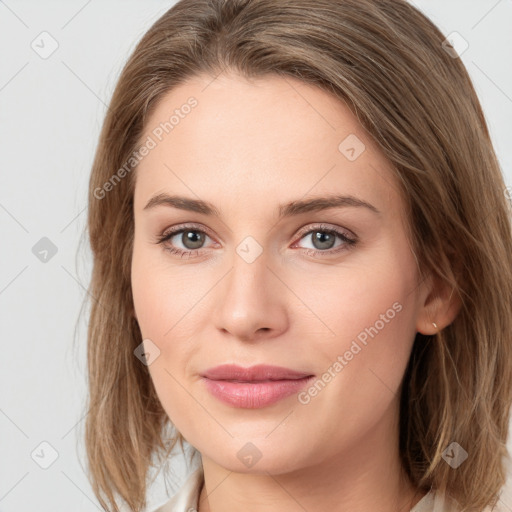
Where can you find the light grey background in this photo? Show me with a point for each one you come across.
(51, 112)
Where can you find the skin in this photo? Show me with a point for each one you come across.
(247, 147)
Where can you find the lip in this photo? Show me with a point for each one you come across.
(253, 373)
(254, 387)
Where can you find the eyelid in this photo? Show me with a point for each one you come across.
(187, 226)
(322, 226)
(302, 231)
(348, 237)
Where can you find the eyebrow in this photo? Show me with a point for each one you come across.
(292, 208)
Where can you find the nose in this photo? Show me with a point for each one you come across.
(251, 300)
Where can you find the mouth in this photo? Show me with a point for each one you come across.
(253, 390)
(257, 373)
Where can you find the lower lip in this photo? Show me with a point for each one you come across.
(254, 395)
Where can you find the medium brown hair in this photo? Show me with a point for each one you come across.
(386, 61)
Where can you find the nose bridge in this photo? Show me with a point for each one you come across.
(249, 268)
(249, 300)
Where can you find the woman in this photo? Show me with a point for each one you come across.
(301, 250)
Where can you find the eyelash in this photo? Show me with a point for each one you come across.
(349, 242)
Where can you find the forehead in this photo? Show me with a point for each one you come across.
(259, 138)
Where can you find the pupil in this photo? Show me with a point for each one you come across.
(326, 240)
(192, 239)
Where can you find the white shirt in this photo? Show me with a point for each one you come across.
(187, 498)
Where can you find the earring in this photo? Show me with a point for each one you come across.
(434, 324)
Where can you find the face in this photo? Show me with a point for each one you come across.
(328, 290)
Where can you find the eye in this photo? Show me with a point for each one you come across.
(192, 238)
(323, 239)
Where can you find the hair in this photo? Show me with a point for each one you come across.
(386, 61)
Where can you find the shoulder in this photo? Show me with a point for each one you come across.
(187, 498)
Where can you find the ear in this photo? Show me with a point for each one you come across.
(440, 304)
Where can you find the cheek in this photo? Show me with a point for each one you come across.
(161, 295)
(363, 301)
(159, 303)
(362, 361)
(149, 302)
(367, 315)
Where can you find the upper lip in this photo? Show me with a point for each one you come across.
(254, 373)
